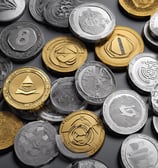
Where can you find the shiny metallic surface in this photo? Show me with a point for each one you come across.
(155, 123)
(154, 98)
(153, 25)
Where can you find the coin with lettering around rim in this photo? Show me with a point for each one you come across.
(121, 47)
(139, 150)
(92, 22)
(35, 145)
(125, 112)
(94, 82)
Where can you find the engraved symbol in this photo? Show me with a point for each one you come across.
(23, 37)
(143, 3)
(128, 111)
(7, 5)
(27, 87)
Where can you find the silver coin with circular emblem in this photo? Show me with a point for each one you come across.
(139, 151)
(155, 123)
(94, 82)
(92, 21)
(153, 25)
(143, 71)
(11, 9)
(125, 112)
(35, 144)
(21, 41)
(154, 99)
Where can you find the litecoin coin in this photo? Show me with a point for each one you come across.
(21, 41)
(35, 145)
(155, 123)
(143, 71)
(153, 26)
(154, 99)
(139, 151)
(94, 82)
(92, 21)
(125, 112)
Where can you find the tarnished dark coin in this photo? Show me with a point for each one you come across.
(94, 82)
(155, 123)
(154, 99)
(139, 151)
(125, 112)
(11, 9)
(21, 41)
(35, 144)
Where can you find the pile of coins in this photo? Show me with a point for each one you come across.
(44, 118)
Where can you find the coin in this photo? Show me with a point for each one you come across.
(82, 132)
(27, 88)
(11, 9)
(125, 112)
(35, 145)
(121, 47)
(139, 150)
(155, 123)
(64, 54)
(143, 71)
(92, 21)
(94, 82)
(10, 125)
(153, 27)
(154, 99)
(21, 41)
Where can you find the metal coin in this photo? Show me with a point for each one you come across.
(143, 71)
(153, 26)
(154, 99)
(94, 82)
(11, 9)
(139, 151)
(92, 21)
(125, 112)
(35, 144)
(21, 41)
(155, 123)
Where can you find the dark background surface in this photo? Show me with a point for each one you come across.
(109, 153)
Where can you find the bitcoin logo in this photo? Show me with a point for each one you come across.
(128, 111)
(143, 3)
(7, 5)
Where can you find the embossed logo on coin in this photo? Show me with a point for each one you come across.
(143, 3)
(7, 5)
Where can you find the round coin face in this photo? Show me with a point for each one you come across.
(125, 112)
(121, 47)
(21, 41)
(154, 99)
(82, 132)
(64, 54)
(11, 9)
(153, 26)
(143, 71)
(94, 82)
(35, 145)
(92, 21)
(139, 151)
(26, 88)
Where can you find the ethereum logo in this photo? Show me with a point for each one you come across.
(7, 5)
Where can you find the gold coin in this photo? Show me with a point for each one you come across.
(27, 88)
(64, 54)
(120, 48)
(82, 132)
(9, 125)
(139, 8)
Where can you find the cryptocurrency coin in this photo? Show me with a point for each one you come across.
(11, 9)
(64, 96)
(125, 112)
(121, 47)
(10, 125)
(153, 26)
(64, 54)
(154, 99)
(21, 41)
(94, 82)
(27, 88)
(143, 71)
(139, 8)
(82, 132)
(155, 123)
(139, 150)
(35, 145)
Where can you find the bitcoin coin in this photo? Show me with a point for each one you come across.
(92, 21)
(27, 88)
(10, 125)
(82, 132)
(94, 82)
(21, 41)
(35, 145)
(64, 54)
(125, 112)
(154, 98)
(121, 47)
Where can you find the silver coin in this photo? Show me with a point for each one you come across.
(155, 123)
(153, 25)
(92, 21)
(139, 151)
(94, 82)
(154, 99)
(143, 71)
(125, 112)
(11, 9)
(35, 144)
